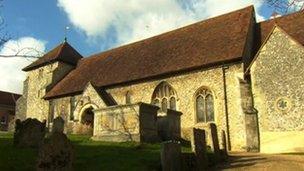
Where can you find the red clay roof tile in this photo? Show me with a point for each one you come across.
(8, 99)
(202, 44)
(63, 52)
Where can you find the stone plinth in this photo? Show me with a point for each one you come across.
(134, 122)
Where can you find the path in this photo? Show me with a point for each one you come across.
(263, 162)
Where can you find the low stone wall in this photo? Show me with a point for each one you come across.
(134, 122)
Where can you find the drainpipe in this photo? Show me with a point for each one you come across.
(224, 68)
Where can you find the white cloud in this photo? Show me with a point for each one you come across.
(11, 73)
(139, 19)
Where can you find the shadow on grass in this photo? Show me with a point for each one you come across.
(12, 158)
(89, 155)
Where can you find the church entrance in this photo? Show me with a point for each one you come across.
(87, 120)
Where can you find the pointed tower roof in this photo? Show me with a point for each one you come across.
(63, 52)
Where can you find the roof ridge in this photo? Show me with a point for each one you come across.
(282, 16)
(1, 91)
(60, 50)
(168, 32)
(63, 52)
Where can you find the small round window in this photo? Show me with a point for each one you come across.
(283, 104)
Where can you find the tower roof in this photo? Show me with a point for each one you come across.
(63, 52)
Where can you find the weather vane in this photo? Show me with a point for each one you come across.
(65, 33)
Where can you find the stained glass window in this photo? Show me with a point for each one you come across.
(165, 95)
(204, 106)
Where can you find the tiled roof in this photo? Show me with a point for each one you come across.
(63, 52)
(292, 24)
(8, 99)
(199, 45)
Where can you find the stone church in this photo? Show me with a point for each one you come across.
(245, 76)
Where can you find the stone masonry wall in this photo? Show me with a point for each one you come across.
(278, 90)
(186, 86)
(71, 108)
(38, 81)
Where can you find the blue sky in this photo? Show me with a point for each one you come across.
(98, 25)
(44, 20)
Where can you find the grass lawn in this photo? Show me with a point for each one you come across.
(90, 155)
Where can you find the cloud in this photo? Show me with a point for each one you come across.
(11, 73)
(133, 20)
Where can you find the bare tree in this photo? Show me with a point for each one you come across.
(4, 37)
(24, 52)
(285, 6)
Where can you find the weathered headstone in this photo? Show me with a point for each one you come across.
(200, 148)
(214, 140)
(58, 125)
(29, 133)
(56, 154)
(224, 144)
(171, 156)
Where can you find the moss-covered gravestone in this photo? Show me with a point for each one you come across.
(200, 148)
(29, 133)
(58, 125)
(171, 156)
(57, 153)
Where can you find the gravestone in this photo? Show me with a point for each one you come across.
(224, 144)
(58, 125)
(200, 148)
(214, 140)
(29, 133)
(171, 156)
(56, 154)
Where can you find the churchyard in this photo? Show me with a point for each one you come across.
(31, 147)
(89, 155)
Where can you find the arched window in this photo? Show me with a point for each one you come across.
(164, 96)
(204, 106)
(128, 97)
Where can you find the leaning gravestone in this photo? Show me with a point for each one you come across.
(200, 148)
(29, 133)
(171, 156)
(214, 140)
(56, 154)
(224, 144)
(58, 125)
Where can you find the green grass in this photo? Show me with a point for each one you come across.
(90, 155)
(14, 158)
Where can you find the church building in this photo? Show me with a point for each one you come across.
(245, 76)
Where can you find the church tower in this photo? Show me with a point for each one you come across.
(42, 75)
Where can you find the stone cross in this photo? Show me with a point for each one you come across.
(58, 125)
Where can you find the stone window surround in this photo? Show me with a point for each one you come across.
(159, 96)
(197, 94)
